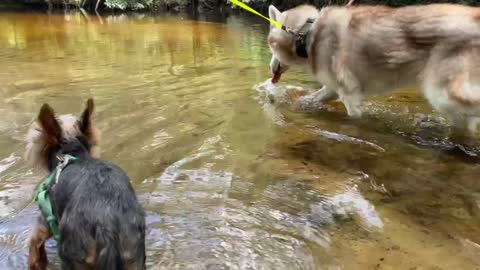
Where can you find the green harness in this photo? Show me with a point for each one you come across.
(43, 199)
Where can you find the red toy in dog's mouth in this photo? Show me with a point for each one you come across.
(276, 77)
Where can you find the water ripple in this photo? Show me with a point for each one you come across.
(8, 162)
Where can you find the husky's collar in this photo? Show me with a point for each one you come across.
(302, 38)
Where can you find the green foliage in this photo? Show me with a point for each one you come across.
(143, 4)
(128, 4)
(170, 3)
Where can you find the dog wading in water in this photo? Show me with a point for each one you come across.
(359, 51)
(95, 215)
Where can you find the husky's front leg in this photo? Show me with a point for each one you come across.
(350, 92)
(313, 100)
(353, 104)
(352, 99)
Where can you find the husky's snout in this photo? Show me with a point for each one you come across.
(277, 69)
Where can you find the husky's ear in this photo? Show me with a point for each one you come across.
(50, 125)
(86, 122)
(273, 12)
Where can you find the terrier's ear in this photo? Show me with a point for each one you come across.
(50, 125)
(86, 120)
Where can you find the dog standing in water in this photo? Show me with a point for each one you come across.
(359, 51)
(98, 219)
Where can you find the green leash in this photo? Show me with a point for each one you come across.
(43, 199)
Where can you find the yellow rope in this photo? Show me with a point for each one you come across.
(247, 8)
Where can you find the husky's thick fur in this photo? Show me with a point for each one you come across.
(358, 51)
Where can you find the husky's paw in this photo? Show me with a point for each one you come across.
(295, 96)
(302, 101)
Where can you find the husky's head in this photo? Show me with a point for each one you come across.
(281, 43)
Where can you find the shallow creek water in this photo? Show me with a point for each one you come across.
(229, 179)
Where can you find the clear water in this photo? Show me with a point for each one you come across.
(229, 179)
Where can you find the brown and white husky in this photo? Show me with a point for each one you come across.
(358, 51)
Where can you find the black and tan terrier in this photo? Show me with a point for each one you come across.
(99, 221)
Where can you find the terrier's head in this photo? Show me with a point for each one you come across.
(49, 134)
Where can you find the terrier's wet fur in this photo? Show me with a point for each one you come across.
(101, 222)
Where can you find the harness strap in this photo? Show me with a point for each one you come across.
(302, 38)
(43, 199)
